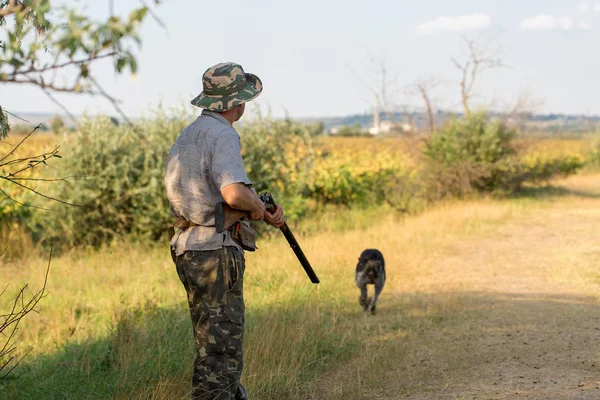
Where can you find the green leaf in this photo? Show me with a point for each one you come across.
(138, 15)
(133, 65)
(121, 62)
(4, 126)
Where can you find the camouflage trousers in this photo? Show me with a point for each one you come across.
(214, 281)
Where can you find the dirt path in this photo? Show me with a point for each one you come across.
(530, 286)
(511, 315)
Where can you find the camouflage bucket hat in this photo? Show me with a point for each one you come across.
(225, 86)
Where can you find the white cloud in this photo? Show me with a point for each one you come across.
(459, 23)
(546, 22)
(584, 7)
(597, 7)
(540, 22)
(566, 23)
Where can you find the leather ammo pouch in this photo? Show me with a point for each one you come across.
(243, 234)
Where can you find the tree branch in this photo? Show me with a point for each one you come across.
(22, 204)
(20, 143)
(41, 194)
(62, 107)
(115, 105)
(15, 316)
(54, 66)
(12, 8)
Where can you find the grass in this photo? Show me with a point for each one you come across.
(115, 323)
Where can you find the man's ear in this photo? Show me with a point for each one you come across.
(241, 109)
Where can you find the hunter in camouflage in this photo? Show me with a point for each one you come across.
(204, 168)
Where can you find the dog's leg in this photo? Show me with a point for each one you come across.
(373, 302)
(362, 300)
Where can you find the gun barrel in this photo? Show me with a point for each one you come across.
(299, 253)
(267, 198)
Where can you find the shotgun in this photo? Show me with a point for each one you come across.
(225, 217)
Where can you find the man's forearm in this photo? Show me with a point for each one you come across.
(238, 196)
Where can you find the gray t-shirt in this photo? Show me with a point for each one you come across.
(205, 158)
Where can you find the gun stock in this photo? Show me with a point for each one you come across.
(226, 216)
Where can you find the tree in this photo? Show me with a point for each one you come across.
(481, 56)
(57, 124)
(424, 87)
(35, 50)
(39, 43)
(380, 88)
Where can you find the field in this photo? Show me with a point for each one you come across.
(486, 298)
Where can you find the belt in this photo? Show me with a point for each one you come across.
(179, 224)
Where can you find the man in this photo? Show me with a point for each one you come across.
(205, 167)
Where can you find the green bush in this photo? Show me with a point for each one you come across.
(351, 130)
(279, 156)
(478, 154)
(345, 184)
(116, 182)
(117, 177)
(466, 154)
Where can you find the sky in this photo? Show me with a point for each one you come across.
(316, 58)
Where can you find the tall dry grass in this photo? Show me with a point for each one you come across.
(117, 318)
(115, 323)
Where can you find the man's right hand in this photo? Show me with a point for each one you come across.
(258, 214)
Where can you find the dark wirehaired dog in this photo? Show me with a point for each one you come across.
(370, 270)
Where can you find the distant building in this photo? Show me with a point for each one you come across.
(390, 127)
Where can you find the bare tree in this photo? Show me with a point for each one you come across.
(423, 87)
(481, 55)
(378, 83)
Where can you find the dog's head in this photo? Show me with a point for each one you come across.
(372, 268)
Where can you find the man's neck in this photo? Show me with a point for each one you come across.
(230, 115)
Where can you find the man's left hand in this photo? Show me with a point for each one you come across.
(276, 218)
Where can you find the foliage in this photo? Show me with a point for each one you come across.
(353, 179)
(42, 40)
(594, 157)
(117, 184)
(278, 156)
(57, 124)
(467, 153)
(475, 139)
(536, 168)
(4, 127)
(478, 154)
(34, 51)
(351, 130)
(120, 189)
